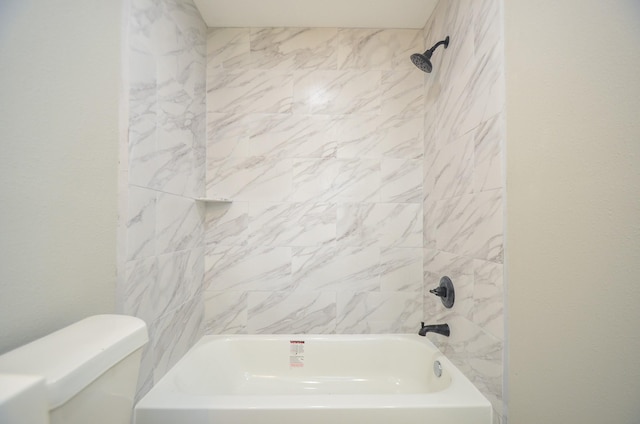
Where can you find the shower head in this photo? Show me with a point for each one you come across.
(423, 60)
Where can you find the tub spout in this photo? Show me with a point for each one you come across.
(438, 328)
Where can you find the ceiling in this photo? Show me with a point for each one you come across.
(316, 13)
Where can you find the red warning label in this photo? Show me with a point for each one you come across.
(296, 353)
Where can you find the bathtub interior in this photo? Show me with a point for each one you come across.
(295, 364)
(315, 379)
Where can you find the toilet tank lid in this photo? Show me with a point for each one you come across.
(71, 358)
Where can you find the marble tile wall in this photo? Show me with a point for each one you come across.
(163, 168)
(317, 136)
(357, 182)
(463, 228)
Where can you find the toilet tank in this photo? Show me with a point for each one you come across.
(90, 368)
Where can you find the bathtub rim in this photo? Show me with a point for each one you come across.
(164, 395)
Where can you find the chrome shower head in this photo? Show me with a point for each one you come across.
(423, 60)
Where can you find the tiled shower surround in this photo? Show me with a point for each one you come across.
(357, 181)
(162, 169)
(464, 187)
(316, 135)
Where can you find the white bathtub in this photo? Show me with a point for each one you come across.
(313, 379)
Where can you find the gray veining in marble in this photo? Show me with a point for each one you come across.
(463, 185)
(357, 181)
(162, 279)
(317, 136)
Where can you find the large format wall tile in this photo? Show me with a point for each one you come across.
(293, 48)
(401, 269)
(452, 169)
(380, 224)
(463, 226)
(488, 154)
(249, 91)
(227, 223)
(227, 136)
(314, 179)
(374, 136)
(401, 181)
(291, 312)
(292, 224)
(228, 48)
(179, 224)
(377, 48)
(243, 268)
(225, 312)
(378, 312)
(357, 180)
(292, 136)
(180, 276)
(256, 178)
(165, 162)
(488, 310)
(332, 267)
(316, 134)
(472, 225)
(402, 93)
(139, 295)
(173, 334)
(336, 92)
(141, 223)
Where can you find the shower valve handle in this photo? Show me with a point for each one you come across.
(439, 291)
(445, 292)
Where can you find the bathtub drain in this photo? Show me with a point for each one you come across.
(437, 368)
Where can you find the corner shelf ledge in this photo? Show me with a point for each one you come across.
(214, 200)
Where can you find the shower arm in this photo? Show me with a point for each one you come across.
(429, 52)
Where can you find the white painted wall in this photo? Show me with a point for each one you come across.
(573, 210)
(59, 82)
(311, 13)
